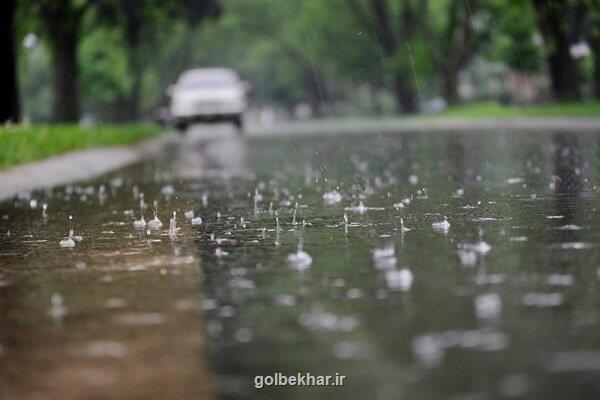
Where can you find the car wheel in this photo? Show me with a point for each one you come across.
(181, 127)
(239, 124)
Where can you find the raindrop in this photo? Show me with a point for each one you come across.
(278, 227)
(243, 335)
(284, 300)
(57, 308)
(168, 190)
(173, 225)
(443, 226)
(399, 279)
(488, 305)
(332, 197)
(155, 223)
(467, 257)
(481, 248)
(139, 223)
(386, 252)
(560, 280)
(402, 227)
(67, 242)
(221, 253)
(358, 209)
(294, 217)
(70, 240)
(543, 299)
(196, 220)
(143, 204)
(299, 260)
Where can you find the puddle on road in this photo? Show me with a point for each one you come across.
(462, 266)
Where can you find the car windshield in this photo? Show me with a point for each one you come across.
(207, 80)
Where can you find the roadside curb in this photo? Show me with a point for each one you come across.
(75, 166)
(86, 164)
(438, 125)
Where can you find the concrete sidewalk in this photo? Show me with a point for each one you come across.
(75, 166)
(87, 164)
(430, 124)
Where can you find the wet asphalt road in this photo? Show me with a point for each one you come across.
(360, 276)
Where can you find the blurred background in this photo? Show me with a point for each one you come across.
(101, 61)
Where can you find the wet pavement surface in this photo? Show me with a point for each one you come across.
(421, 266)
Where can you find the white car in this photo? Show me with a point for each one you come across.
(208, 95)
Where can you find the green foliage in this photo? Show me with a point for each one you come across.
(297, 51)
(267, 43)
(20, 144)
(437, 37)
(513, 35)
(105, 77)
(344, 45)
(495, 110)
(35, 85)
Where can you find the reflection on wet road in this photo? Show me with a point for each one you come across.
(418, 265)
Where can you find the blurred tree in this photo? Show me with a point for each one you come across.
(123, 53)
(393, 26)
(591, 10)
(456, 30)
(9, 99)
(555, 24)
(61, 21)
(343, 47)
(513, 36)
(138, 19)
(392, 44)
(291, 74)
(260, 39)
(372, 42)
(105, 77)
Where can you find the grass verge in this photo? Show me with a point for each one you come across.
(495, 110)
(21, 144)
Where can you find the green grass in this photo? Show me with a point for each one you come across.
(494, 110)
(21, 144)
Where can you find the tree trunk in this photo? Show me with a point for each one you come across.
(403, 90)
(595, 47)
(451, 86)
(132, 103)
(316, 95)
(66, 74)
(564, 75)
(564, 72)
(133, 24)
(405, 95)
(9, 97)
(63, 29)
(376, 103)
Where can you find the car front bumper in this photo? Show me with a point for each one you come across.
(207, 110)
